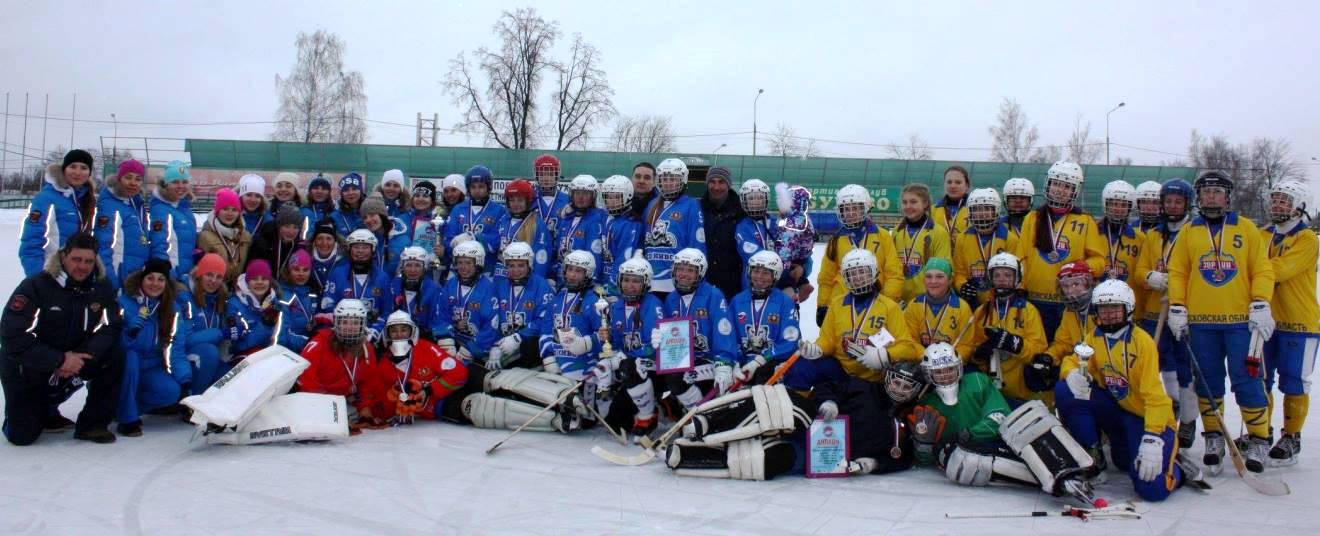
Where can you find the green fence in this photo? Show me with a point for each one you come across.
(884, 177)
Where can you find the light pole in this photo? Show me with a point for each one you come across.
(758, 97)
(114, 152)
(715, 153)
(1120, 105)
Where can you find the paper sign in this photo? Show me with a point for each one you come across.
(882, 338)
(827, 448)
(675, 352)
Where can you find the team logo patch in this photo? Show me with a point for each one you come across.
(34, 217)
(157, 225)
(1117, 385)
(102, 221)
(448, 364)
(773, 319)
(375, 291)
(474, 306)
(528, 305)
(701, 313)
(742, 317)
(1217, 271)
(1061, 250)
(18, 303)
(424, 371)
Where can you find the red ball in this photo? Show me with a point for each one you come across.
(1101, 503)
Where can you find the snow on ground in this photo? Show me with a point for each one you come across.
(433, 478)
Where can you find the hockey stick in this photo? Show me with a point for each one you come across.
(1085, 514)
(1265, 487)
(649, 451)
(558, 401)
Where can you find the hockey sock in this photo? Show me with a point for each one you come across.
(1257, 421)
(1208, 417)
(1295, 408)
(1187, 406)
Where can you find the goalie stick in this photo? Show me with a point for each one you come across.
(1127, 511)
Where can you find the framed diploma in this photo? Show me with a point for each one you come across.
(827, 448)
(675, 351)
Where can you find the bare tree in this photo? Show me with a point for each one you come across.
(916, 149)
(643, 134)
(1122, 161)
(1081, 148)
(319, 101)
(1013, 139)
(582, 98)
(1253, 167)
(785, 142)
(1047, 154)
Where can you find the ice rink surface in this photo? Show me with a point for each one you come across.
(433, 478)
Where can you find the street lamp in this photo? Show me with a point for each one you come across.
(715, 153)
(758, 97)
(1120, 105)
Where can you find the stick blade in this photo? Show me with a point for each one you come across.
(619, 459)
(1273, 488)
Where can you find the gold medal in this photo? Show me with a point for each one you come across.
(403, 397)
(1219, 275)
(144, 312)
(895, 453)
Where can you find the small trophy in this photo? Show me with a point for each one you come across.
(603, 311)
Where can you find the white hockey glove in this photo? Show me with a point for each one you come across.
(464, 237)
(195, 359)
(1261, 320)
(1157, 280)
(465, 355)
(723, 377)
(448, 345)
(1177, 321)
(495, 359)
(551, 365)
(809, 350)
(745, 372)
(603, 373)
(828, 411)
(1150, 457)
(510, 344)
(578, 345)
(872, 357)
(1078, 384)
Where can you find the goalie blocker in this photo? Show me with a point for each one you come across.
(745, 435)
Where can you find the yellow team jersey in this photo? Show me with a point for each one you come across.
(1217, 275)
(876, 239)
(1121, 250)
(1293, 257)
(1019, 317)
(847, 320)
(1154, 257)
(1075, 237)
(953, 226)
(943, 326)
(1129, 368)
(914, 247)
(1072, 329)
(972, 253)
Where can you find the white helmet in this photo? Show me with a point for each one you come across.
(620, 186)
(471, 250)
(852, 194)
(943, 369)
(636, 267)
(1148, 202)
(1298, 194)
(751, 190)
(671, 167)
(1148, 191)
(454, 180)
(583, 182)
(768, 260)
(1004, 260)
(1018, 186)
(517, 251)
(580, 259)
(1068, 173)
(1114, 292)
(1124, 197)
(414, 254)
(401, 318)
(362, 236)
(984, 219)
(350, 320)
(862, 265)
(692, 257)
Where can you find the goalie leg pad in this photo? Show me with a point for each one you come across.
(535, 386)
(752, 412)
(1052, 455)
(746, 459)
(486, 411)
(980, 464)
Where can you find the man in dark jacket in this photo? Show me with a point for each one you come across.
(644, 189)
(59, 330)
(722, 211)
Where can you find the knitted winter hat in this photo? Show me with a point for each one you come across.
(718, 172)
(301, 259)
(157, 266)
(288, 215)
(375, 204)
(76, 156)
(291, 178)
(319, 181)
(424, 189)
(394, 176)
(258, 268)
(176, 170)
(352, 180)
(226, 198)
(251, 184)
(326, 226)
(211, 263)
(131, 166)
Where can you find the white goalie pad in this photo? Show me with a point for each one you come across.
(541, 387)
(771, 407)
(971, 468)
(486, 411)
(1049, 451)
(234, 400)
(295, 417)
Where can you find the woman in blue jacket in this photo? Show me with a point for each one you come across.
(156, 368)
(391, 234)
(254, 312)
(299, 302)
(319, 206)
(347, 216)
(65, 206)
(173, 231)
(121, 223)
(207, 347)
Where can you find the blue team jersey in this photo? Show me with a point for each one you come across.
(523, 310)
(712, 332)
(583, 232)
(469, 316)
(372, 288)
(623, 237)
(631, 325)
(766, 327)
(527, 229)
(670, 227)
(575, 311)
(482, 222)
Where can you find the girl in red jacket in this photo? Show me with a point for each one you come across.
(418, 375)
(343, 363)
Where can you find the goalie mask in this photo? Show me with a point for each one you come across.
(1112, 304)
(689, 270)
(579, 267)
(755, 197)
(350, 321)
(859, 271)
(401, 333)
(546, 170)
(1005, 273)
(1063, 183)
(1213, 190)
(763, 271)
(904, 381)
(1075, 281)
(1288, 200)
(617, 193)
(634, 279)
(943, 369)
(1118, 198)
(983, 209)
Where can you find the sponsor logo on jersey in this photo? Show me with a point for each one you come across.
(1217, 270)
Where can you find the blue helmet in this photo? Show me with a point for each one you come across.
(1177, 187)
(477, 174)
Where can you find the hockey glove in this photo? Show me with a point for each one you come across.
(828, 410)
(872, 357)
(655, 338)
(1261, 320)
(1078, 384)
(820, 316)
(1157, 281)
(603, 373)
(1177, 321)
(723, 377)
(495, 359)
(551, 365)
(927, 427)
(510, 344)
(1041, 374)
(1003, 340)
(970, 291)
(809, 350)
(579, 345)
(1150, 457)
(745, 372)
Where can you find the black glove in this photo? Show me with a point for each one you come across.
(820, 316)
(1003, 340)
(970, 292)
(1041, 374)
(982, 354)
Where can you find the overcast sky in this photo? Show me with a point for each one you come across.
(865, 72)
